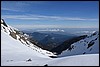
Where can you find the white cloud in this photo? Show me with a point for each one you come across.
(42, 17)
(9, 9)
(13, 5)
(37, 26)
(18, 5)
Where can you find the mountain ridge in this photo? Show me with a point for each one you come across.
(23, 38)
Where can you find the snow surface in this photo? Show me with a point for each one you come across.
(13, 51)
(78, 60)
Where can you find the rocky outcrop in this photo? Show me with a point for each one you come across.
(3, 22)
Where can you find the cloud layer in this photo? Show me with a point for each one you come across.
(43, 17)
(50, 26)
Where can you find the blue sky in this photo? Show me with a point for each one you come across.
(52, 14)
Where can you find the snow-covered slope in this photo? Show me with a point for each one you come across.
(89, 45)
(13, 51)
(21, 37)
(78, 60)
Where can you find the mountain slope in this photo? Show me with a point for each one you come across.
(66, 44)
(23, 38)
(13, 51)
(88, 45)
(15, 47)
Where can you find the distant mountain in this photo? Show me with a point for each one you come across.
(50, 40)
(36, 35)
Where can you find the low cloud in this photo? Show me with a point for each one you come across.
(38, 26)
(49, 26)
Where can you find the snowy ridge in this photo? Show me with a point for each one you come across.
(23, 38)
(89, 45)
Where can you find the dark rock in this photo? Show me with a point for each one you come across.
(90, 44)
(53, 56)
(84, 53)
(13, 35)
(4, 23)
(29, 60)
(46, 65)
